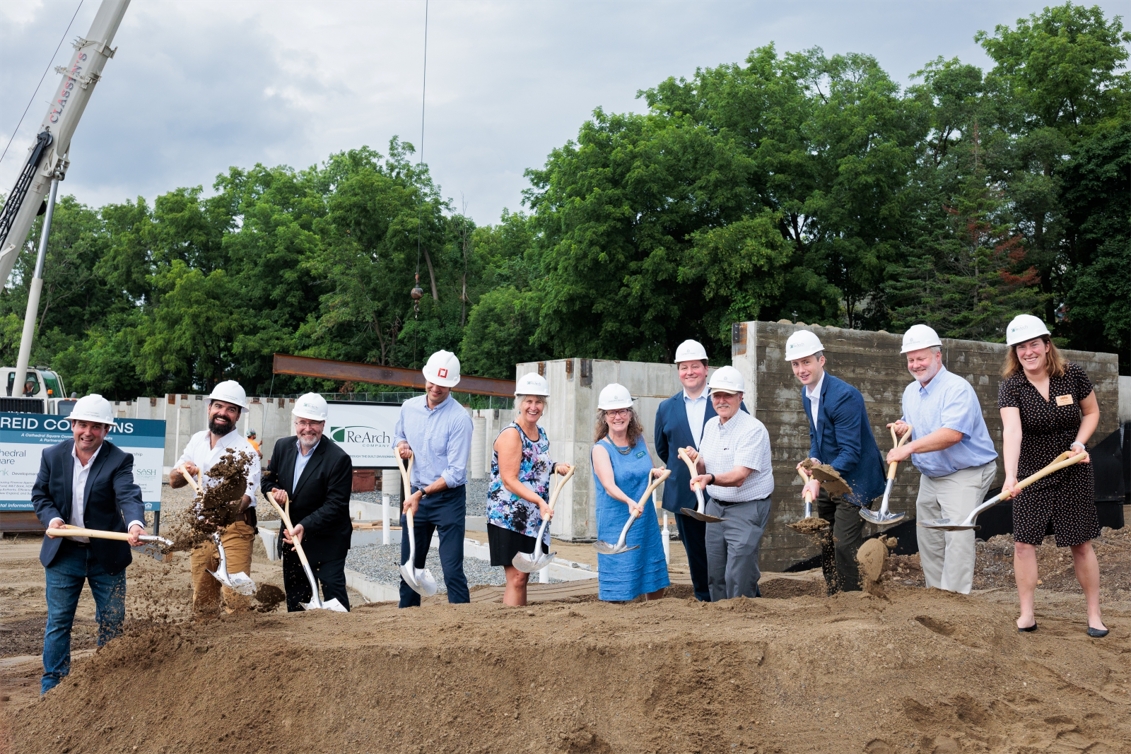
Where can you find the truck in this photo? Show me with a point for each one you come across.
(42, 392)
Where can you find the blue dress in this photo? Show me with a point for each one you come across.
(628, 575)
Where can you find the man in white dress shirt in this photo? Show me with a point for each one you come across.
(227, 401)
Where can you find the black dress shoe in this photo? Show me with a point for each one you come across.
(1097, 633)
(1028, 629)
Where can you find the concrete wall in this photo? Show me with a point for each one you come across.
(1124, 399)
(870, 361)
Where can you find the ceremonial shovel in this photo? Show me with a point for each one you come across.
(805, 494)
(1062, 461)
(606, 548)
(699, 513)
(883, 517)
(536, 561)
(240, 582)
(316, 602)
(420, 580)
(153, 545)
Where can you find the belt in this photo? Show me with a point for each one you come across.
(727, 504)
(71, 542)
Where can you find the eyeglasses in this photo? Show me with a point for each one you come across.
(617, 412)
(307, 424)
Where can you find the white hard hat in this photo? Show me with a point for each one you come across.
(442, 369)
(311, 406)
(919, 336)
(229, 391)
(92, 408)
(532, 384)
(727, 380)
(1023, 328)
(801, 344)
(614, 396)
(690, 350)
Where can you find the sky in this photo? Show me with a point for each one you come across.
(198, 86)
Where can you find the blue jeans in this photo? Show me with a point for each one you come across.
(65, 576)
(447, 512)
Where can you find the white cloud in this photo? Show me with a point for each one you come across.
(199, 86)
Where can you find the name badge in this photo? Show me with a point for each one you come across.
(1064, 400)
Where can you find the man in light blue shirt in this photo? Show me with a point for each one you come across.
(436, 431)
(952, 449)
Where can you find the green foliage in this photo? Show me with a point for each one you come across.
(794, 185)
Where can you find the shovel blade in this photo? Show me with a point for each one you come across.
(420, 580)
(704, 517)
(240, 583)
(317, 604)
(606, 548)
(529, 563)
(880, 518)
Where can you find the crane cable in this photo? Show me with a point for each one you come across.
(41, 78)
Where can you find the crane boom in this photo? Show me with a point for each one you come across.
(48, 161)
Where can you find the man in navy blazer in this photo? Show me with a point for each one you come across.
(679, 424)
(840, 435)
(86, 482)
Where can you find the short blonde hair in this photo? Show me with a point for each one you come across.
(518, 399)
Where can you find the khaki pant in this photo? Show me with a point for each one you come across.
(947, 557)
(206, 590)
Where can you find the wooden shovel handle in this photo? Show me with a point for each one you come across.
(287, 522)
(405, 467)
(188, 477)
(690, 464)
(656, 482)
(78, 531)
(896, 443)
(806, 477)
(1062, 461)
(562, 483)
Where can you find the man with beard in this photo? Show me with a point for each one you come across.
(952, 449)
(436, 431)
(317, 476)
(204, 449)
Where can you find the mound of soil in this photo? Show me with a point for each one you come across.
(849, 673)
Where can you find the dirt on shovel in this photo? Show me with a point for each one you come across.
(829, 477)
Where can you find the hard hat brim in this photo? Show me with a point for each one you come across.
(431, 376)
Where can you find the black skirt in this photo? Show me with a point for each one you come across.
(505, 544)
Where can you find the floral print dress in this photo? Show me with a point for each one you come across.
(509, 511)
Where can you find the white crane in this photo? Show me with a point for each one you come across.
(48, 160)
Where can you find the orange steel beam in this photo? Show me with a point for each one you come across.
(325, 369)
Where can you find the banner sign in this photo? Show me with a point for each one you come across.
(365, 432)
(24, 437)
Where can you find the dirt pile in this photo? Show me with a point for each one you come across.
(212, 508)
(850, 673)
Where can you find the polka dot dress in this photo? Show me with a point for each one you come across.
(1048, 428)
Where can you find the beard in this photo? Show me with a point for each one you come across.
(219, 426)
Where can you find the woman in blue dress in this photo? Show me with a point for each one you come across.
(622, 471)
(520, 486)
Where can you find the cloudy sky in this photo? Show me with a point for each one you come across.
(200, 85)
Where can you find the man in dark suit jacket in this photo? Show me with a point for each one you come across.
(674, 430)
(86, 482)
(320, 501)
(840, 435)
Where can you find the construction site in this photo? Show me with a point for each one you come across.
(673, 256)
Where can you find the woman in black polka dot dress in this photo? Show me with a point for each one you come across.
(1047, 407)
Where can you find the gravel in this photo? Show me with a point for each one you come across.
(476, 496)
(381, 564)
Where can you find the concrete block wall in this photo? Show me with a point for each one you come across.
(872, 363)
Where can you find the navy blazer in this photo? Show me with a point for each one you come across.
(672, 433)
(111, 500)
(846, 442)
(321, 501)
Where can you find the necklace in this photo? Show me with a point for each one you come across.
(622, 452)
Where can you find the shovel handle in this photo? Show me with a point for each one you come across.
(1062, 461)
(896, 443)
(806, 477)
(562, 483)
(283, 514)
(188, 477)
(656, 482)
(78, 531)
(690, 465)
(404, 465)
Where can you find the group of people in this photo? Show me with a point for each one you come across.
(1047, 407)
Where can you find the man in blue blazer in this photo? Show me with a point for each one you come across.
(86, 482)
(679, 424)
(840, 435)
